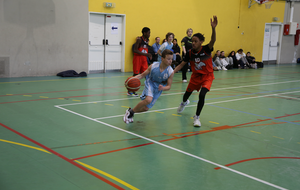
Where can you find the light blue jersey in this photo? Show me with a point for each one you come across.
(153, 80)
(164, 46)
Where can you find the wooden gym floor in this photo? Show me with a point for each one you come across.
(68, 133)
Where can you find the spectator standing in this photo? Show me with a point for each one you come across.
(166, 45)
(186, 44)
(156, 47)
(140, 54)
(176, 51)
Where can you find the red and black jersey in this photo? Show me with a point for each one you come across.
(201, 61)
(143, 46)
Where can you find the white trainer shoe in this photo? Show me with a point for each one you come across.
(182, 105)
(197, 122)
(126, 118)
(224, 68)
(184, 81)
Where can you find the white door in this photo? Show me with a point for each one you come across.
(271, 43)
(105, 43)
(113, 51)
(96, 45)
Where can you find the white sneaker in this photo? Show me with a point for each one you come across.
(130, 120)
(182, 105)
(184, 80)
(126, 118)
(197, 122)
(224, 68)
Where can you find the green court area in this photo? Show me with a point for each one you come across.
(68, 133)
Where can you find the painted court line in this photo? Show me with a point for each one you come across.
(25, 145)
(224, 101)
(180, 93)
(64, 158)
(288, 97)
(175, 149)
(261, 158)
(107, 175)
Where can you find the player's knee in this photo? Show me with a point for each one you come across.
(203, 92)
(148, 100)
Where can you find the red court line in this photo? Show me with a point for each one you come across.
(223, 127)
(115, 93)
(60, 91)
(251, 159)
(65, 158)
(112, 151)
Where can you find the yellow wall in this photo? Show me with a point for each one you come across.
(165, 16)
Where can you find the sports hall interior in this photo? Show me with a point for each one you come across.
(68, 133)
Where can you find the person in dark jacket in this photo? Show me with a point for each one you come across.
(252, 60)
(235, 62)
(186, 44)
(176, 51)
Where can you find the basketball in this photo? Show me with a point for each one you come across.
(132, 84)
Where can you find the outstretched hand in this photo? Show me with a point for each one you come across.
(214, 22)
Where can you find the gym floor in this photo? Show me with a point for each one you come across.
(68, 133)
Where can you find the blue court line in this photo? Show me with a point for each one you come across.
(250, 94)
(254, 114)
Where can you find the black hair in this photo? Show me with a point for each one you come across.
(200, 36)
(231, 53)
(248, 52)
(145, 30)
(240, 50)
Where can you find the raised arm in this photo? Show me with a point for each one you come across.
(214, 24)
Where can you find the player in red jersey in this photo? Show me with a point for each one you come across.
(140, 54)
(202, 69)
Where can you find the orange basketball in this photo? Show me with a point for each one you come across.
(132, 84)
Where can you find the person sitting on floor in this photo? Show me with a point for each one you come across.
(218, 62)
(229, 60)
(252, 60)
(235, 62)
(241, 58)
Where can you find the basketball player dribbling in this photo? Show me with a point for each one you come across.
(159, 77)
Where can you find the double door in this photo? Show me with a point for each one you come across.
(105, 43)
(272, 39)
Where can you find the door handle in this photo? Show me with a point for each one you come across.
(106, 41)
(103, 42)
